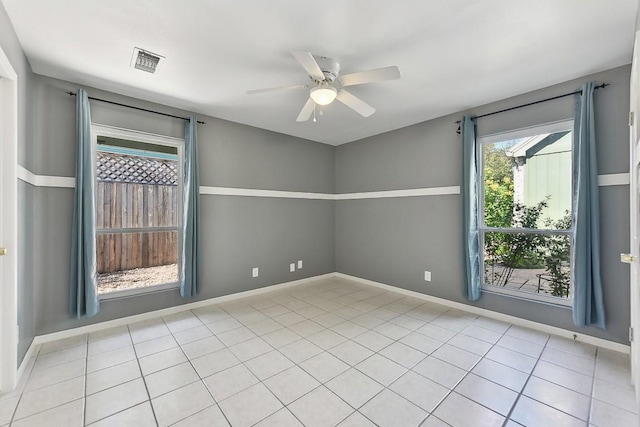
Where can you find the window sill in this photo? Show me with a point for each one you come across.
(529, 297)
(126, 293)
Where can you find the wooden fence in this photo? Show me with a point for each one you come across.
(137, 225)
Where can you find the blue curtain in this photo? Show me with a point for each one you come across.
(470, 209)
(83, 289)
(190, 265)
(588, 306)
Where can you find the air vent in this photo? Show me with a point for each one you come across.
(145, 60)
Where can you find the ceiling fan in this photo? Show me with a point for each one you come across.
(328, 85)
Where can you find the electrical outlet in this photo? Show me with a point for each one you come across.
(427, 276)
(254, 272)
(299, 263)
(292, 267)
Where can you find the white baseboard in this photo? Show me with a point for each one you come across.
(27, 361)
(588, 339)
(171, 310)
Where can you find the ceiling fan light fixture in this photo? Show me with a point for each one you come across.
(323, 95)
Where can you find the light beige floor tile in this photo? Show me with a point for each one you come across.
(108, 344)
(459, 411)
(155, 345)
(529, 412)
(354, 387)
(170, 379)
(281, 337)
(52, 346)
(224, 325)
(211, 314)
(567, 360)
(212, 363)
(201, 347)
(530, 335)
(300, 350)
(349, 329)
(115, 399)
(250, 406)
(512, 359)
(576, 348)
(622, 396)
(436, 332)
(249, 349)
(381, 369)
(212, 416)
(319, 408)
(181, 403)
(456, 356)
(182, 322)
(48, 397)
(289, 319)
(561, 398)
(291, 384)
(108, 333)
(520, 345)
(373, 340)
(433, 421)
(148, 330)
(324, 366)
(229, 382)
(193, 334)
(421, 342)
(356, 420)
(110, 358)
(483, 334)
(236, 336)
(419, 390)
(351, 352)
(67, 415)
(264, 327)
(268, 364)
(49, 376)
(113, 376)
(306, 328)
(565, 377)
(138, 416)
(282, 418)
(326, 339)
(605, 415)
(162, 360)
(387, 409)
(60, 357)
(501, 374)
(7, 408)
(440, 371)
(493, 396)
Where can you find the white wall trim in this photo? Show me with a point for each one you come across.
(27, 361)
(40, 339)
(45, 180)
(413, 192)
(498, 316)
(69, 182)
(249, 192)
(613, 179)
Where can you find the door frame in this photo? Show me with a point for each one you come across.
(8, 225)
(634, 205)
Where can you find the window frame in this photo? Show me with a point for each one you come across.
(550, 127)
(149, 138)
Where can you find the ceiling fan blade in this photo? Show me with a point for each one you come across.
(355, 103)
(309, 63)
(306, 111)
(276, 89)
(371, 76)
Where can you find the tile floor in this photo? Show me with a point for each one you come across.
(331, 352)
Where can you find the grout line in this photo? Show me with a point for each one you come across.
(144, 381)
(593, 386)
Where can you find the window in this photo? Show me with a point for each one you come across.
(138, 211)
(525, 212)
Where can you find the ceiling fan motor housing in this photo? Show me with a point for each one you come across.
(329, 66)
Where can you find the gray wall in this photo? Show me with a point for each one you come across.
(238, 232)
(26, 315)
(395, 240)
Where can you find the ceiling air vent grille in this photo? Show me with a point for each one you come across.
(145, 61)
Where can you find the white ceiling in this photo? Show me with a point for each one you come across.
(452, 54)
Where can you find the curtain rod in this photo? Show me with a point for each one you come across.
(137, 108)
(602, 86)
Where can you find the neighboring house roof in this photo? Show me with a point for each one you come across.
(520, 149)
